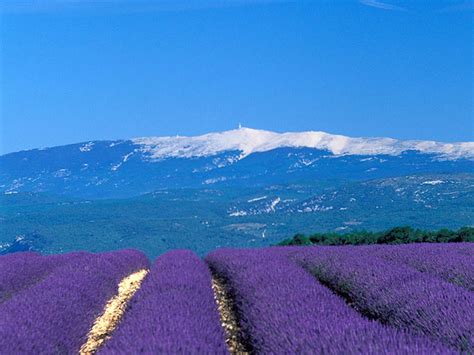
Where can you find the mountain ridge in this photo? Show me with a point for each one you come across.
(242, 157)
(249, 141)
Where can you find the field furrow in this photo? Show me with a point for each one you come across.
(375, 299)
(173, 312)
(283, 309)
(452, 263)
(228, 314)
(55, 315)
(394, 293)
(106, 323)
(22, 270)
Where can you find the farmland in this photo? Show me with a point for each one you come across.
(374, 299)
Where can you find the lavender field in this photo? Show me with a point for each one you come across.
(402, 299)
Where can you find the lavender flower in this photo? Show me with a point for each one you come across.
(56, 314)
(173, 312)
(394, 293)
(451, 262)
(282, 309)
(19, 271)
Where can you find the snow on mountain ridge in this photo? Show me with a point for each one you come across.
(248, 141)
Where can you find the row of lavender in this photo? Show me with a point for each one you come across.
(48, 304)
(19, 271)
(284, 310)
(174, 312)
(421, 288)
(451, 262)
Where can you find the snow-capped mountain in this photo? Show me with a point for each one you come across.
(242, 187)
(248, 141)
(236, 158)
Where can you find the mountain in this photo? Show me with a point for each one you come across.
(240, 188)
(242, 157)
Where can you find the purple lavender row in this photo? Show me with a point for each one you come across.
(395, 294)
(451, 262)
(282, 309)
(173, 312)
(20, 271)
(55, 315)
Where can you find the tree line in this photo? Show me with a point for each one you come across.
(396, 235)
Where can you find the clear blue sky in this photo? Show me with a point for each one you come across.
(77, 70)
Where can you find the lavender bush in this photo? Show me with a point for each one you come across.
(173, 312)
(395, 293)
(282, 309)
(20, 271)
(55, 315)
(451, 262)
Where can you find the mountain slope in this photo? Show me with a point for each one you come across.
(248, 141)
(243, 157)
(205, 218)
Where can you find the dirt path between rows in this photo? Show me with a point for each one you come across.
(105, 324)
(229, 321)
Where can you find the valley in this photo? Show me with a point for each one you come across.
(239, 188)
(207, 218)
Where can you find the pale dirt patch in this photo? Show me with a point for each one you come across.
(228, 319)
(105, 324)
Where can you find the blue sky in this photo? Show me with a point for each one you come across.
(77, 70)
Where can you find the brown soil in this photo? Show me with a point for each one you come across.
(105, 324)
(229, 320)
